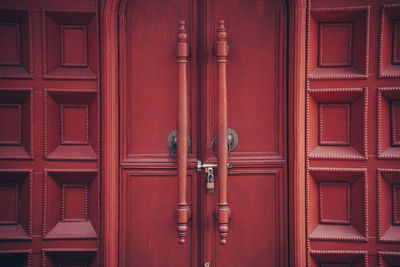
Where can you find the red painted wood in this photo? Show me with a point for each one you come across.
(50, 133)
(223, 213)
(182, 210)
(254, 81)
(352, 158)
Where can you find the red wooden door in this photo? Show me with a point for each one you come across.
(353, 170)
(49, 133)
(256, 110)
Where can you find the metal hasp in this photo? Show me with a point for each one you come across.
(209, 170)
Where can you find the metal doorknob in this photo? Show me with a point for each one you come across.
(233, 140)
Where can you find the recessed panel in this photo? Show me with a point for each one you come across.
(338, 258)
(15, 44)
(10, 53)
(338, 43)
(10, 119)
(388, 122)
(10, 199)
(71, 49)
(335, 44)
(396, 43)
(338, 203)
(70, 201)
(337, 123)
(334, 124)
(255, 74)
(149, 223)
(79, 257)
(389, 52)
(257, 222)
(16, 258)
(15, 205)
(74, 202)
(150, 76)
(74, 124)
(396, 203)
(395, 125)
(74, 51)
(334, 202)
(71, 124)
(388, 195)
(16, 126)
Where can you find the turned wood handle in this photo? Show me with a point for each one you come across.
(182, 210)
(223, 212)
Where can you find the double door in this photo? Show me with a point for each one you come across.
(201, 67)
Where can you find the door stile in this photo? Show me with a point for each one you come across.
(110, 138)
(296, 131)
(207, 106)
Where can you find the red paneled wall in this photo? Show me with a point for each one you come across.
(49, 133)
(352, 127)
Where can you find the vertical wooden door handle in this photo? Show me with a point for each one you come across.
(182, 210)
(223, 212)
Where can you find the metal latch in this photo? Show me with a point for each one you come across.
(209, 169)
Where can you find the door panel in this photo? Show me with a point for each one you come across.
(255, 227)
(148, 221)
(352, 155)
(257, 184)
(256, 31)
(149, 75)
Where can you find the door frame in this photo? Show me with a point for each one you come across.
(297, 11)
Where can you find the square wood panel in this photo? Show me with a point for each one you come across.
(389, 51)
(15, 44)
(337, 123)
(69, 257)
(337, 258)
(74, 203)
(70, 201)
(339, 40)
(388, 183)
(396, 43)
(10, 44)
(9, 193)
(395, 125)
(16, 113)
(74, 124)
(70, 45)
(388, 123)
(16, 258)
(335, 44)
(16, 212)
(337, 201)
(334, 202)
(334, 124)
(71, 124)
(74, 51)
(388, 258)
(11, 116)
